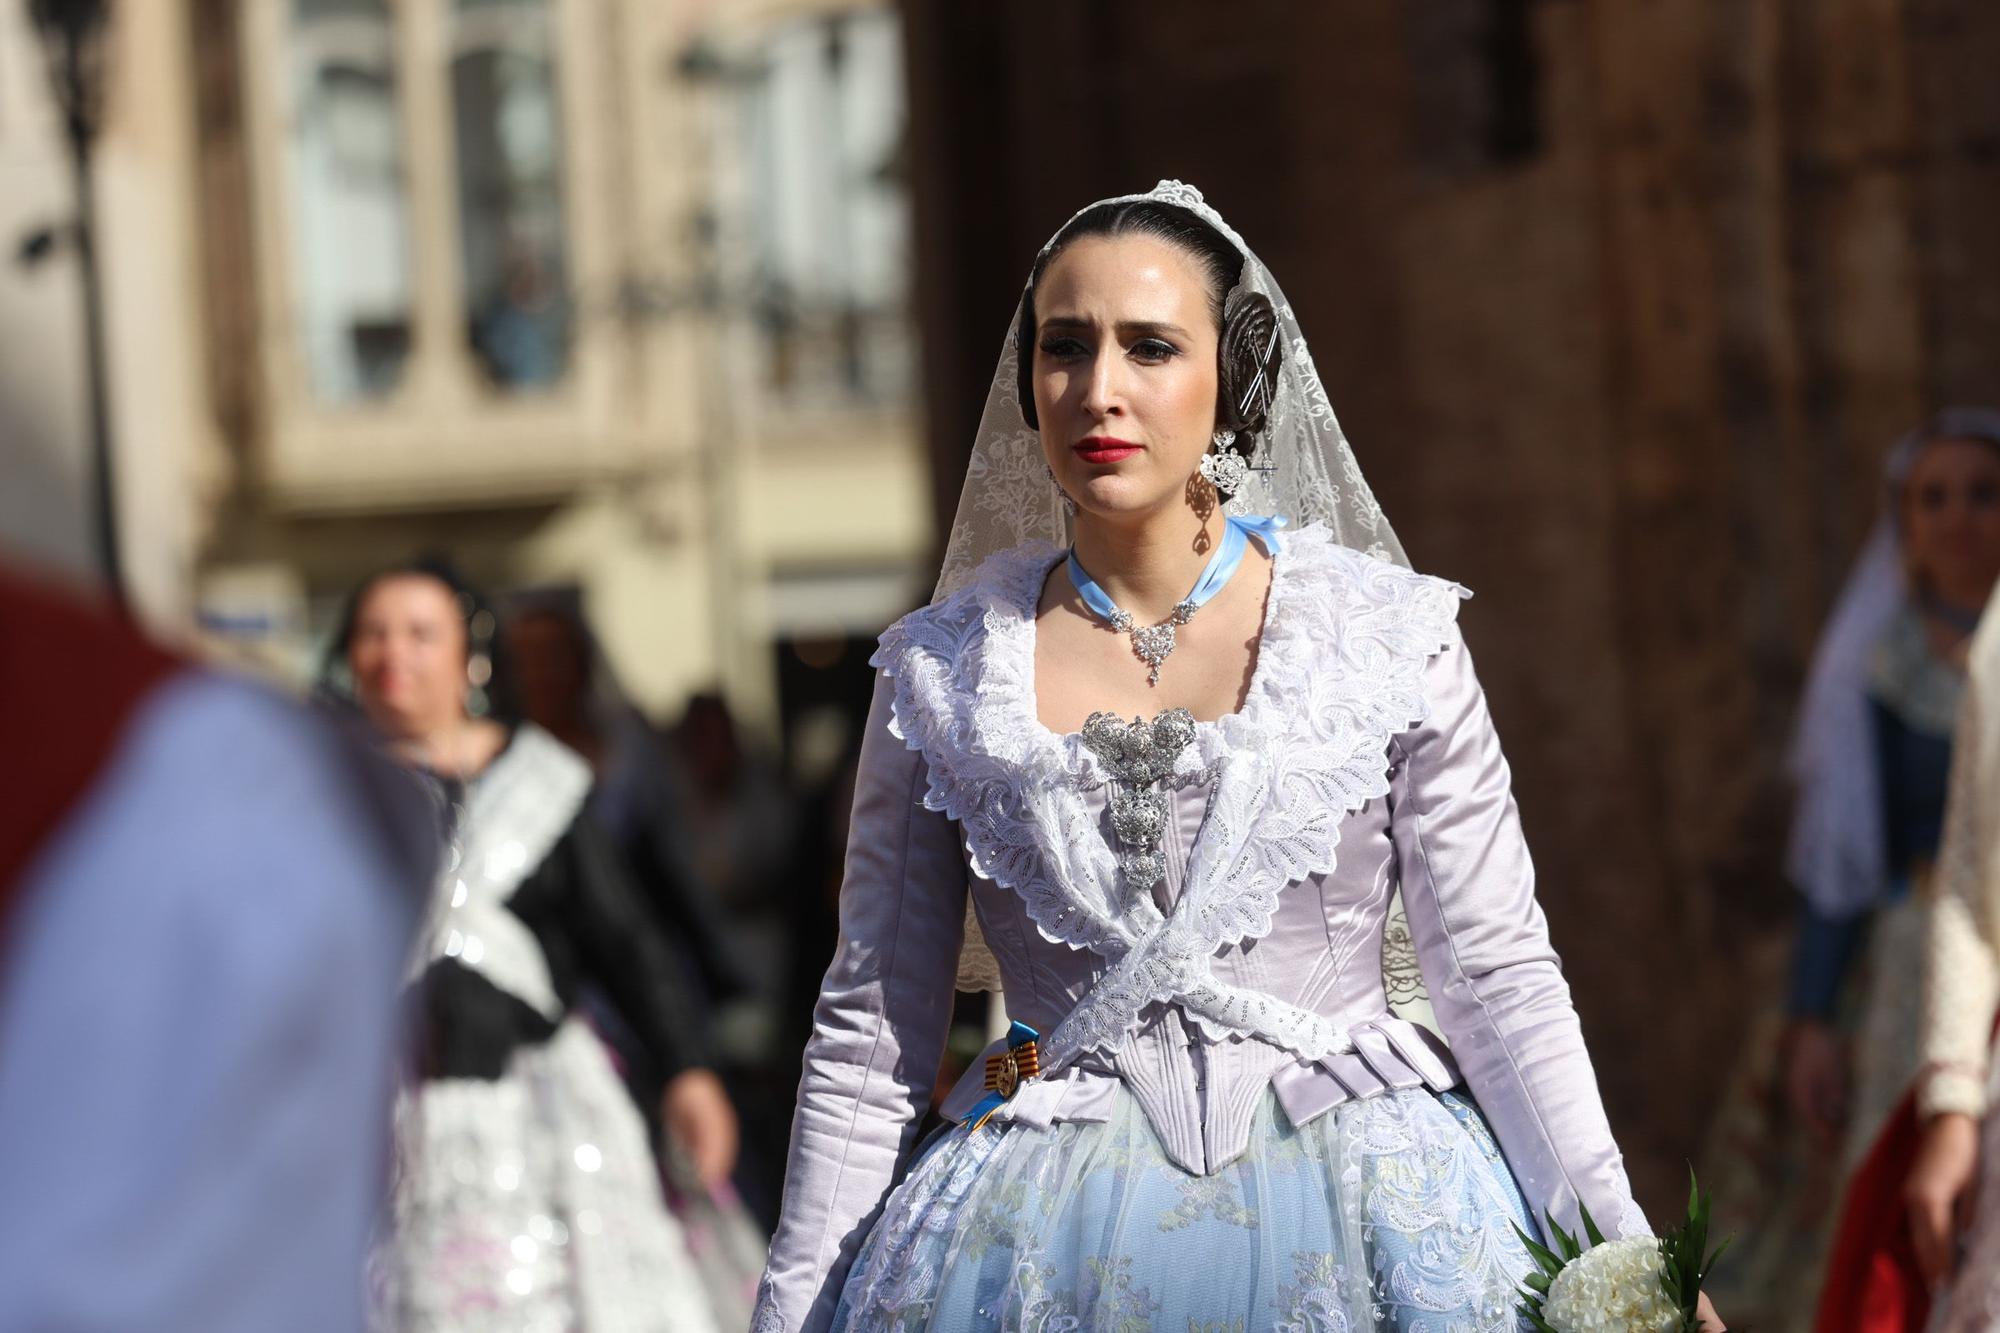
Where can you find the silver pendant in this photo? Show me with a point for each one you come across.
(1153, 646)
(1155, 643)
(1138, 817)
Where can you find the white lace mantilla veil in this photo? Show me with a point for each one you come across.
(1306, 472)
(1310, 475)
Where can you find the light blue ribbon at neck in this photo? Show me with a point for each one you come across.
(1221, 567)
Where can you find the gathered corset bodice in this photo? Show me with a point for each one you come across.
(1319, 965)
(1362, 761)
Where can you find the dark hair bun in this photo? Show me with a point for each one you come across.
(1247, 360)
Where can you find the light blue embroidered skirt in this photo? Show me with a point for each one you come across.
(1391, 1213)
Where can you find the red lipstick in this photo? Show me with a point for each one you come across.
(1105, 449)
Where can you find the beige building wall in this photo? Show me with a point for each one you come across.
(699, 518)
(160, 433)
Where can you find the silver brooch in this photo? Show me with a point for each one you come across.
(1139, 754)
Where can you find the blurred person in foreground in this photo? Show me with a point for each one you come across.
(564, 685)
(1206, 1113)
(206, 897)
(1950, 1242)
(527, 1196)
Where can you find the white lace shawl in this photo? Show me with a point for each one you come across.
(515, 814)
(1339, 672)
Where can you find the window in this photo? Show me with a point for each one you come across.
(510, 198)
(1476, 97)
(351, 251)
(828, 209)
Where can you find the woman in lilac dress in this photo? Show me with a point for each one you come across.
(1177, 727)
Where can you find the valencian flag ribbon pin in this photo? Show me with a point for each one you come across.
(1021, 1061)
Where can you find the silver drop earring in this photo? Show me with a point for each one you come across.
(478, 676)
(1224, 468)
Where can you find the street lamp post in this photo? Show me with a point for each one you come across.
(72, 36)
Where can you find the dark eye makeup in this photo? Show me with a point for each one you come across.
(1147, 351)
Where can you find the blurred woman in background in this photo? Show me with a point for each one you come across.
(527, 1195)
(1871, 759)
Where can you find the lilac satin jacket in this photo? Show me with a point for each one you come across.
(1363, 759)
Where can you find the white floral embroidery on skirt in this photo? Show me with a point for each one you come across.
(532, 1203)
(1392, 1213)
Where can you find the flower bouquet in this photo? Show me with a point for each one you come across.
(1638, 1285)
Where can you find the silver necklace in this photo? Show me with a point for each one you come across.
(1153, 644)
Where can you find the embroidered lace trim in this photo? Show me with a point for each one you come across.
(514, 815)
(1339, 672)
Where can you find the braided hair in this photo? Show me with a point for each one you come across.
(1249, 350)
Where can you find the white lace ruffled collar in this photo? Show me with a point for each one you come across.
(1339, 672)
(1008, 590)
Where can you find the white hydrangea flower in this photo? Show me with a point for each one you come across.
(1614, 1288)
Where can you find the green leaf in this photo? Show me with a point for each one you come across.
(1686, 1260)
(1550, 1262)
(1590, 1227)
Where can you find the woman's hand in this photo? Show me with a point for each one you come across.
(1939, 1190)
(1815, 1064)
(699, 1117)
(1711, 1322)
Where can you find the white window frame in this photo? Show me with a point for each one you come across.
(445, 433)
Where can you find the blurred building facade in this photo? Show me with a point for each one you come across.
(146, 245)
(605, 295)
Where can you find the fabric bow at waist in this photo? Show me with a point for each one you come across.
(1388, 1054)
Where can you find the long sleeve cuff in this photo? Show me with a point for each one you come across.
(1946, 1089)
(1961, 988)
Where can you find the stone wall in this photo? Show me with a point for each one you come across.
(1621, 304)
